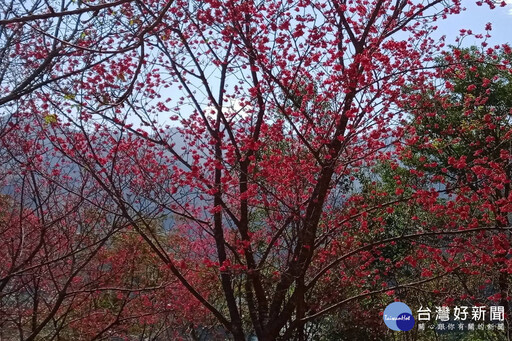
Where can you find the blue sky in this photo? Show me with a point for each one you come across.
(474, 18)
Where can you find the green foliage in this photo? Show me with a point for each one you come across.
(471, 119)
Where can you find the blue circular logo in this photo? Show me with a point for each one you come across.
(398, 316)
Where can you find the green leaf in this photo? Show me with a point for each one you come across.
(50, 119)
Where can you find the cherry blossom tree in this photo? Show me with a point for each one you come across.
(460, 141)
(229, 137)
